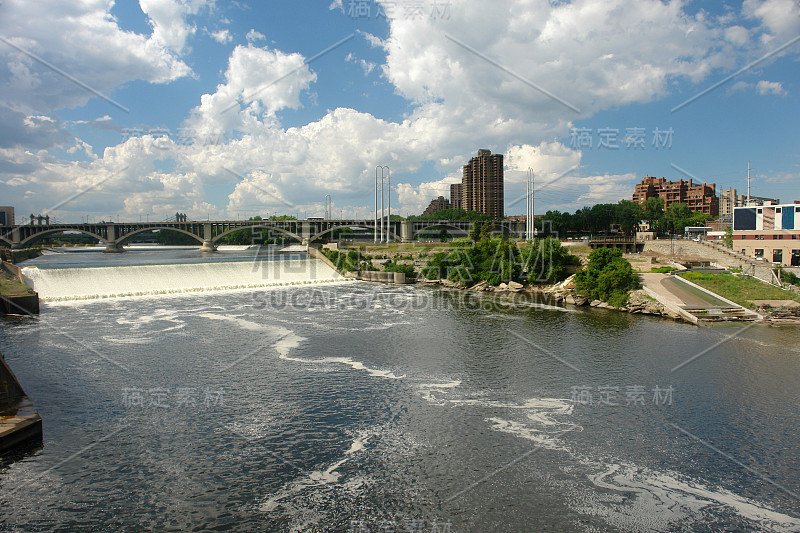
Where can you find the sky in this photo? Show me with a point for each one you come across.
(224, 110)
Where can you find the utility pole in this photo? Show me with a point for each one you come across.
(748, 182)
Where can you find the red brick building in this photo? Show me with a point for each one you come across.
(700, 197)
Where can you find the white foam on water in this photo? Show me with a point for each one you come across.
(317, 478)
(664, 498)
(653, 500)
(355, 365)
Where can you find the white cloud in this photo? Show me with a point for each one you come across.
(221, 36)
(255, 36)
(83, 40)
(168, 20)
(765, 87)
(460, 102)
(258, 83)
(365, 65)
(780, 18)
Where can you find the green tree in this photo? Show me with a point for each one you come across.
(728, 240)
(607, 277)
(677, 217)
(653, 211)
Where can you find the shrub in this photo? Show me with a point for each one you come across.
(608, 277)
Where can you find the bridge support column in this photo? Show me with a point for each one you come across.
(16, 242)
(407, 231)
(112, 246)
(208, 244)
(305, 232)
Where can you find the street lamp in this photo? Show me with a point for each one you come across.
(386, 176)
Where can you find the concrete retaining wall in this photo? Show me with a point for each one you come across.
(716, 253)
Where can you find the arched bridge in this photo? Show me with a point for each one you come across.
(208, 233)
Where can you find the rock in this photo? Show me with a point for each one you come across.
(502, 288)
(580, 300)
(595, 303)
(570, 299)
(481, 286)
(514, 286)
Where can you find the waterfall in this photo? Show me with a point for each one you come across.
(59, 284)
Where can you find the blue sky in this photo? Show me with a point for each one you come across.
(227, 110)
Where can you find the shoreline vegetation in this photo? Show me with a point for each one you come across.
(604, 279)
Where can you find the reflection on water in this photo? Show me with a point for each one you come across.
(333, 407)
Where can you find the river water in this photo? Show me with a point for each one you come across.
(351, 406)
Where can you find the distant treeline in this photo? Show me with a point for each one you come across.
(599, 218)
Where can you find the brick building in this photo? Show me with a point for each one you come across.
(437, 205)
(700, 197)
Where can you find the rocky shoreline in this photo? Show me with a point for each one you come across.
(638, 301)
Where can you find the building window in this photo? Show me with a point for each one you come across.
(777, 256)
(759, 252)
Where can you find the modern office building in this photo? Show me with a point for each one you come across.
(438, 204)
(481, 187)
(6, 216)
(700, 197)
(769, 232)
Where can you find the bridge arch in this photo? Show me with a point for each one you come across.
(38, 236)
(127, 237)
(257, 226)
(5, 239)
(440, 225)
(329, 230)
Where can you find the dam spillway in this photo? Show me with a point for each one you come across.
(86, 283)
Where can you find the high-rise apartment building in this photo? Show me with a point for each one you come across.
(481, 187)
(729, 201)
(455, 196)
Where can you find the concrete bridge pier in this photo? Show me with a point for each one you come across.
(112, 246)
(406, 231)
(305, 232)
(208, 244)
(16, 242)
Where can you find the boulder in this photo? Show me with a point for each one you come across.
(481, 286)
(502, 288)
(514, 286)
(580, 300)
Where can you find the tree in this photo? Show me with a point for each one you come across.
(653, 211)
(728, 240)
(475, 231)
(677, 217)
(607, 277)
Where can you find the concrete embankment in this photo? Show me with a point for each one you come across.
(20, 424)
(16, 298)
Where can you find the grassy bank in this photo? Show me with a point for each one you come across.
(11, 287)
(739, 289)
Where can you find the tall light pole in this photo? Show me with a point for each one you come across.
(328, 214)
(385, 175)
(529, 226)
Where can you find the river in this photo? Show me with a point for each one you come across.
(323, 405)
